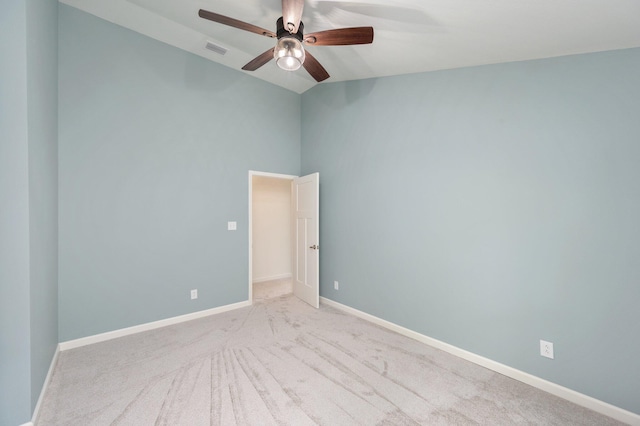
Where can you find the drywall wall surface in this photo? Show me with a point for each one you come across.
(154, 152)
(42, 95)
(271, 210)
(489, 208)
(14, 218)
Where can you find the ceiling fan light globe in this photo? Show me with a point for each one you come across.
(288, 63)
(289, 53)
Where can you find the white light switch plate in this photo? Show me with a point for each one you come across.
(232, 226)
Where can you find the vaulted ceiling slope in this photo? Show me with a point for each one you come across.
(410, 35)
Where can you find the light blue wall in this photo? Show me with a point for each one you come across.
(15, 373)
(491, 207)
(28, 209)
(155, 149)
(486, 207)
(42, 88)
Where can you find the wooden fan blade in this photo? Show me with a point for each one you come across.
(341, 37)
(259, 61)
(221, 19)
(292, 14)
(314, 68)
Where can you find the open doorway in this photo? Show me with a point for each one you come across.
(270, 227)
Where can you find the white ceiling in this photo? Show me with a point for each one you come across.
(410, 35)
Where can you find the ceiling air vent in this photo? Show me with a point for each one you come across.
(215, 48)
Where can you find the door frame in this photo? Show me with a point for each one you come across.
(253, 173)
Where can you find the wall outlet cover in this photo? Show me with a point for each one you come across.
(194, 294)
(546, 349)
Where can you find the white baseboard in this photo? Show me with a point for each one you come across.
(583, 400)
(84, 341)
(272, 277)
(45, 385)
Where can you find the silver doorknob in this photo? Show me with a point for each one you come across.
(314, 247)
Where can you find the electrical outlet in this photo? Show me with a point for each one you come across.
(546, 349)
(194, 294)
(336, 286)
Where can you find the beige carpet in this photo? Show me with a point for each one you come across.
(272, 289)
(281, 362)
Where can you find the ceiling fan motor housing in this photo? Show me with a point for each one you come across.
(283, 32)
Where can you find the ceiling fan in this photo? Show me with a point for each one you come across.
(289, 52)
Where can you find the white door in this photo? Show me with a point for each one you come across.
(306, 245)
